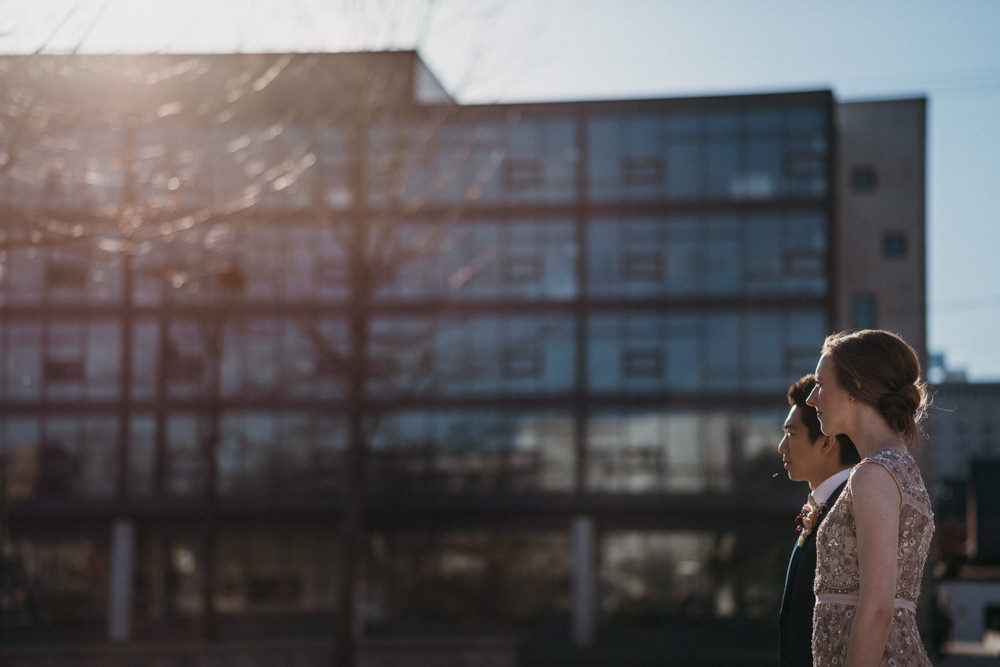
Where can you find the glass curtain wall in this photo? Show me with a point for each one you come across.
(575, 291)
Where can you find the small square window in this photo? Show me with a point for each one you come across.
(643, 170)
(642, 266)
(802, 264)
(803, 164)
(323, 366)
(182, 366)
(64, 370)
(894, 245)
(521, 269)
(327, 273)
(642, 363)
(65, 274)
(864, 178)
(522, 174)
(57, 468)
(521, 363)
(185, 369)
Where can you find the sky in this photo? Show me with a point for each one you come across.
(540, 50)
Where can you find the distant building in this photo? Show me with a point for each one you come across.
(964, 445)
(881, 254)
(964, 426)
(580, 388)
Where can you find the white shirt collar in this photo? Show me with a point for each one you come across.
(826, 488)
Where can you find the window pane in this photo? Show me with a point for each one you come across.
(474, 451)
(723, 168)
(894, 245)
(23, 363)
(863, 312)
(638, 451)
(21, 440)
(724, 269)
(684, 171)
(722, 350)
(103, 359)
(764, 351)
(142, 456)
(492, 579)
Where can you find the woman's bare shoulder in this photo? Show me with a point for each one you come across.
(871, 480)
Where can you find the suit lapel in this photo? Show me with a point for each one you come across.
(793, 565)
(793, 561)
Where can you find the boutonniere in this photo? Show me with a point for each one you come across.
(807, 519)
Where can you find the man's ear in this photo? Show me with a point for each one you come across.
(829, 443)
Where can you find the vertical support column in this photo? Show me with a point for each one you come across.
(581, 310)
(584, 580)
(120, 578)
(127, 317)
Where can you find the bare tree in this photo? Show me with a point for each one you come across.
(391, 223)
(171, 164)
(108, 159)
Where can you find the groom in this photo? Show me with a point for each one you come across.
(825, 463)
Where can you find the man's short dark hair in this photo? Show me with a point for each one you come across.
(797, 395)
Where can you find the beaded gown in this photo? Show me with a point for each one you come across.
(836, 584)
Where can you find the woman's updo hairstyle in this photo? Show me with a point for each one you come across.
(881, 369)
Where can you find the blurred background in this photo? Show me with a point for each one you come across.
(440, 333)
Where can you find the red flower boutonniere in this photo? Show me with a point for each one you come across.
(807, 519)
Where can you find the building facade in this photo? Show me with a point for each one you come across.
(964, 426)
(881, 256)
(578, 320)
(964, 435)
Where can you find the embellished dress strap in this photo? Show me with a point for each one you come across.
(886, 463)
(904, 472)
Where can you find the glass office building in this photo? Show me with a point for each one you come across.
(576, 378)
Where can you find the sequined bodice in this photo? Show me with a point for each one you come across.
(836, 545)
(837, 583)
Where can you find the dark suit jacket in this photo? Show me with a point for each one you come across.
(796, 619)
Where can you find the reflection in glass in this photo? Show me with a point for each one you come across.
(488, 354)
(691, 575)
(69, 456)
(55, 585)
(657, 574)
(282, 454)
(757, 154)
(142, 456)
(22, 359)
(523, 259)
(258, 573)
(779, 254)
(20, 446)
(691, 350)
(637, 451)
(472, 451)
(477, 578)
(185, 465)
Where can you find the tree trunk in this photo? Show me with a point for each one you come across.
(209, 452)
(354, 533)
